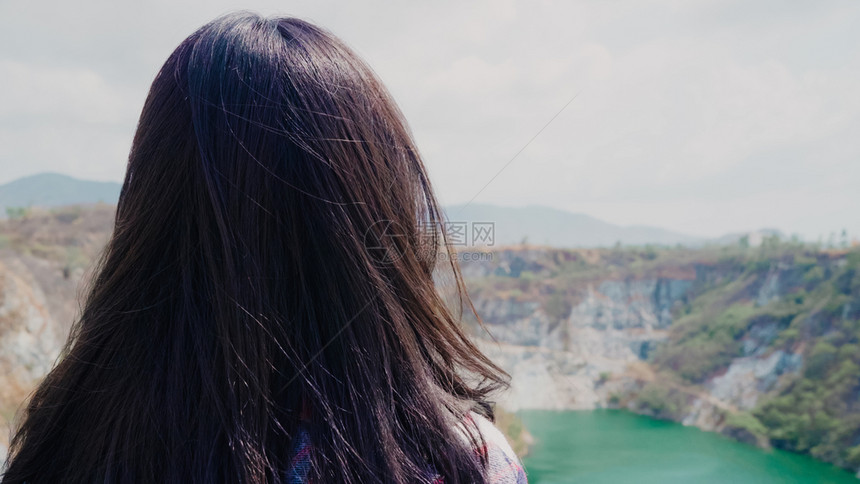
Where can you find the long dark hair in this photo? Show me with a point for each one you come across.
(272, 267)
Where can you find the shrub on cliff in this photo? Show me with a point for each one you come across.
(746, 428)
(17, 212)
(852, 457)
(703, 344)
(822, 356)
(659, 401)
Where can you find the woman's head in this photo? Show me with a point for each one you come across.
(272, 263)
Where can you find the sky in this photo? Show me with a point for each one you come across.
(703, 117)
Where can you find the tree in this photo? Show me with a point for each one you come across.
(17, 212)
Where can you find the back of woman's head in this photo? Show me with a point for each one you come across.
(271, 269)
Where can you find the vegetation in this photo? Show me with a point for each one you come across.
(747, 428)
(17, 212)
(745, 300)
(68, 236)
(706, 344)
(814, 313)
(511, 425)
(660, 401)
(746, 421)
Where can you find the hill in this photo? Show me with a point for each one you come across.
(558, 228)
(54, 189)
(511, 225)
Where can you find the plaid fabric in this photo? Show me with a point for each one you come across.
(301, 462)
(503, 466)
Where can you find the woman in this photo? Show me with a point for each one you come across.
(265, 310)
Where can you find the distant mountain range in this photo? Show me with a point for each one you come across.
(504, 225)
(557, 228)
(54, 189)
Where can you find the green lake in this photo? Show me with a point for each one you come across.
(613, 446)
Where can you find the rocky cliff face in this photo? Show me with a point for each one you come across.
(566, 348)
(29, 343)
(708, 340)
(566, 364)
(43, 261)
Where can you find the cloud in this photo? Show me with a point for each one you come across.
(47, 94)
(63, 119)
(702, 117)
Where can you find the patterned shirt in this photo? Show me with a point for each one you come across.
(503, 466)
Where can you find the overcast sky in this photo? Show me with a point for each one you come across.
(702, 117)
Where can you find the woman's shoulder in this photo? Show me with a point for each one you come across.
(503, 465)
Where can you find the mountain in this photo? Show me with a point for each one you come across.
(500, 225)
(54, 189)
(557, 228)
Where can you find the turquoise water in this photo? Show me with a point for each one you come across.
(613, 446)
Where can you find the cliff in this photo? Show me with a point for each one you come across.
(46, 256)
(760, 344)
(43, 260)
(29, 343)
